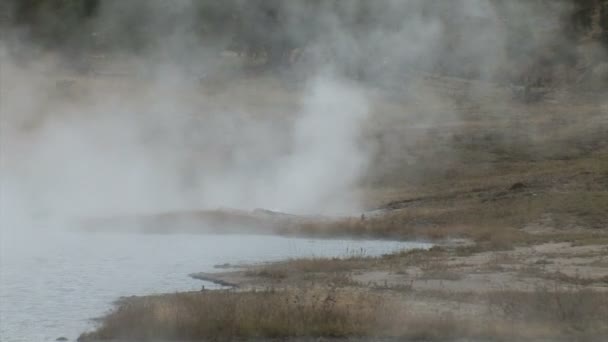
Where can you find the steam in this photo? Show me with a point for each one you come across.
(326, 160)
(154, 149)
(156, 140)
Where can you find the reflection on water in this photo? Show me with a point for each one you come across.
(52, 284)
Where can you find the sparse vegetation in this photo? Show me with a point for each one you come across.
(415, 294)
(315, 312)
(220, 314)
(571, 311)
(322, 264)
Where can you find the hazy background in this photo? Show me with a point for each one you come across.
(135, 107)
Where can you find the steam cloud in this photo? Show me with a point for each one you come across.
(153, 150)
(156, 144)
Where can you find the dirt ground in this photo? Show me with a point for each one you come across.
(495, 290)
(441, 270)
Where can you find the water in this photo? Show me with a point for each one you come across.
(52, 284)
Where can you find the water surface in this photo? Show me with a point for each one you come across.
(53, 283)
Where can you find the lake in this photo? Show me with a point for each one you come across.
(52, 283)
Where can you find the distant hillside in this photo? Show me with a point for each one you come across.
(542, 40)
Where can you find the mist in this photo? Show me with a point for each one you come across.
(162, 146)
(160, 131)
(155, 152)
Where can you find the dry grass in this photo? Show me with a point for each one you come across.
(269, 272)
(335, 272)
(437, 269)
(493, 224)
(572, 311)
(576, 279)
(216, 315)
(328, 312)
(326, 265)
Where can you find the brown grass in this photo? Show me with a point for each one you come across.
(571, 311)
(328, 312)
(335, 272)
(326, 265)
(493, 225)
(213, 315)
(438, 269)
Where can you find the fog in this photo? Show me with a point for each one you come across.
(355, 119)
(150, 138)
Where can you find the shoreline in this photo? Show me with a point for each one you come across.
(215, 279)
(436, 282)
(528, 188)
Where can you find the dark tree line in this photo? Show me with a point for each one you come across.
(254, 24)
(275, 31)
